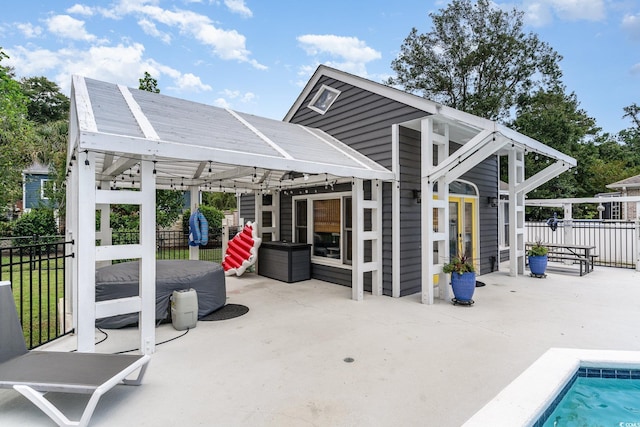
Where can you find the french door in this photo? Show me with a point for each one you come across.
(463, 226)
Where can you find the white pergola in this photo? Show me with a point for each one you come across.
(480, 138)
(126, 143)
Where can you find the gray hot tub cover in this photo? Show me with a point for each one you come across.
(121, 281)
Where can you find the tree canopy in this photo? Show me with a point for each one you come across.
(46, 102)
(16, 135)
(148, 83)
(476, 58)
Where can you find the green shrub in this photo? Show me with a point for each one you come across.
(38, 222)
(214, 217)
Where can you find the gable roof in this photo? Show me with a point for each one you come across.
(631, 182)
(198, 144)
(465, 124)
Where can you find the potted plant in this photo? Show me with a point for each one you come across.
(463, 277)
(538, 258)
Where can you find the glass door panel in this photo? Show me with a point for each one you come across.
(454, 228)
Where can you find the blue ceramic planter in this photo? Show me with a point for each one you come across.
(538, 264)
(463, 285)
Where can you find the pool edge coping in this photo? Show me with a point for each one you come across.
(523, 401)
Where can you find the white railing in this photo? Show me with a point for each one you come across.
(615, 241)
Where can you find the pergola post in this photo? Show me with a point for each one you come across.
(85, 238)
(194, 192)
(434, 213)
(568, 223)
(516, 212)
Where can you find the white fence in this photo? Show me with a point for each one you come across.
(615, 241)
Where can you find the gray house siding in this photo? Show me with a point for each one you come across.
(247, 209)
(32, 191)
(410, 220)
(363, 121)
(485, 177)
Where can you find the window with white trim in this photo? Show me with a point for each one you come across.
(325, 221)
(323, 99)
(503, 221)
(44, 186)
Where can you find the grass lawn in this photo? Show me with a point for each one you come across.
(38, 285)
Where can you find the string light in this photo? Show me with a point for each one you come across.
(154, 166)
(86, 159)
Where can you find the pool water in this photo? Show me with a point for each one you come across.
(598, 402)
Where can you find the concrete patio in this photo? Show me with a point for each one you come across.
(283, 363)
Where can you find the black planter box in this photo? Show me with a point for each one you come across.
(289, 262)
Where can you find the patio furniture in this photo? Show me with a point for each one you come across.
(581, 254)
(34, 373)
(121, 281)
(285, 261)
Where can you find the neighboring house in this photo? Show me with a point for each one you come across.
(623, 210)
(35, 183)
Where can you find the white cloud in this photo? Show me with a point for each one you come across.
(150, 28)
(351, 53)
(29, 30)
(122, 64)
(635, 70)
(236, 94)
(226, 44)
(192, 83)
(538, 15)
(348, 48)
(576, 10)
(222, 103)
(67, 27)
(231, 96)
(541, 12)
(238, 6)
(80, 9)
(631, 25)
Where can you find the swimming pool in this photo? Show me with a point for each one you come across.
(597, 396)
(525, 401)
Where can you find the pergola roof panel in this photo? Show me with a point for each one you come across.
(188, 139)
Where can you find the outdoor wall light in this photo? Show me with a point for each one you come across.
(417, 195)
(493, 202)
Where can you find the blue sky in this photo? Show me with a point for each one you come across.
(255, 56)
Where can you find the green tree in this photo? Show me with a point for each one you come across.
(169, 206)
(148, 83)
(214, 217)
(221, 201)
(46, 102)
(555, 119)
(477, 58)
(630, 137)
(16, 135)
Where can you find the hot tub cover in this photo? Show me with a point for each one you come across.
(121, 281)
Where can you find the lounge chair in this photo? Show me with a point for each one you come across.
(34, 373)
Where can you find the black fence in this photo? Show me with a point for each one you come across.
(36, 269)
(615, 241)
(35, 266)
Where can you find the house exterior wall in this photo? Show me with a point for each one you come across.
(247, 208)
(484, 176)
(631, 207)
(363, 120)
(32, 191)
